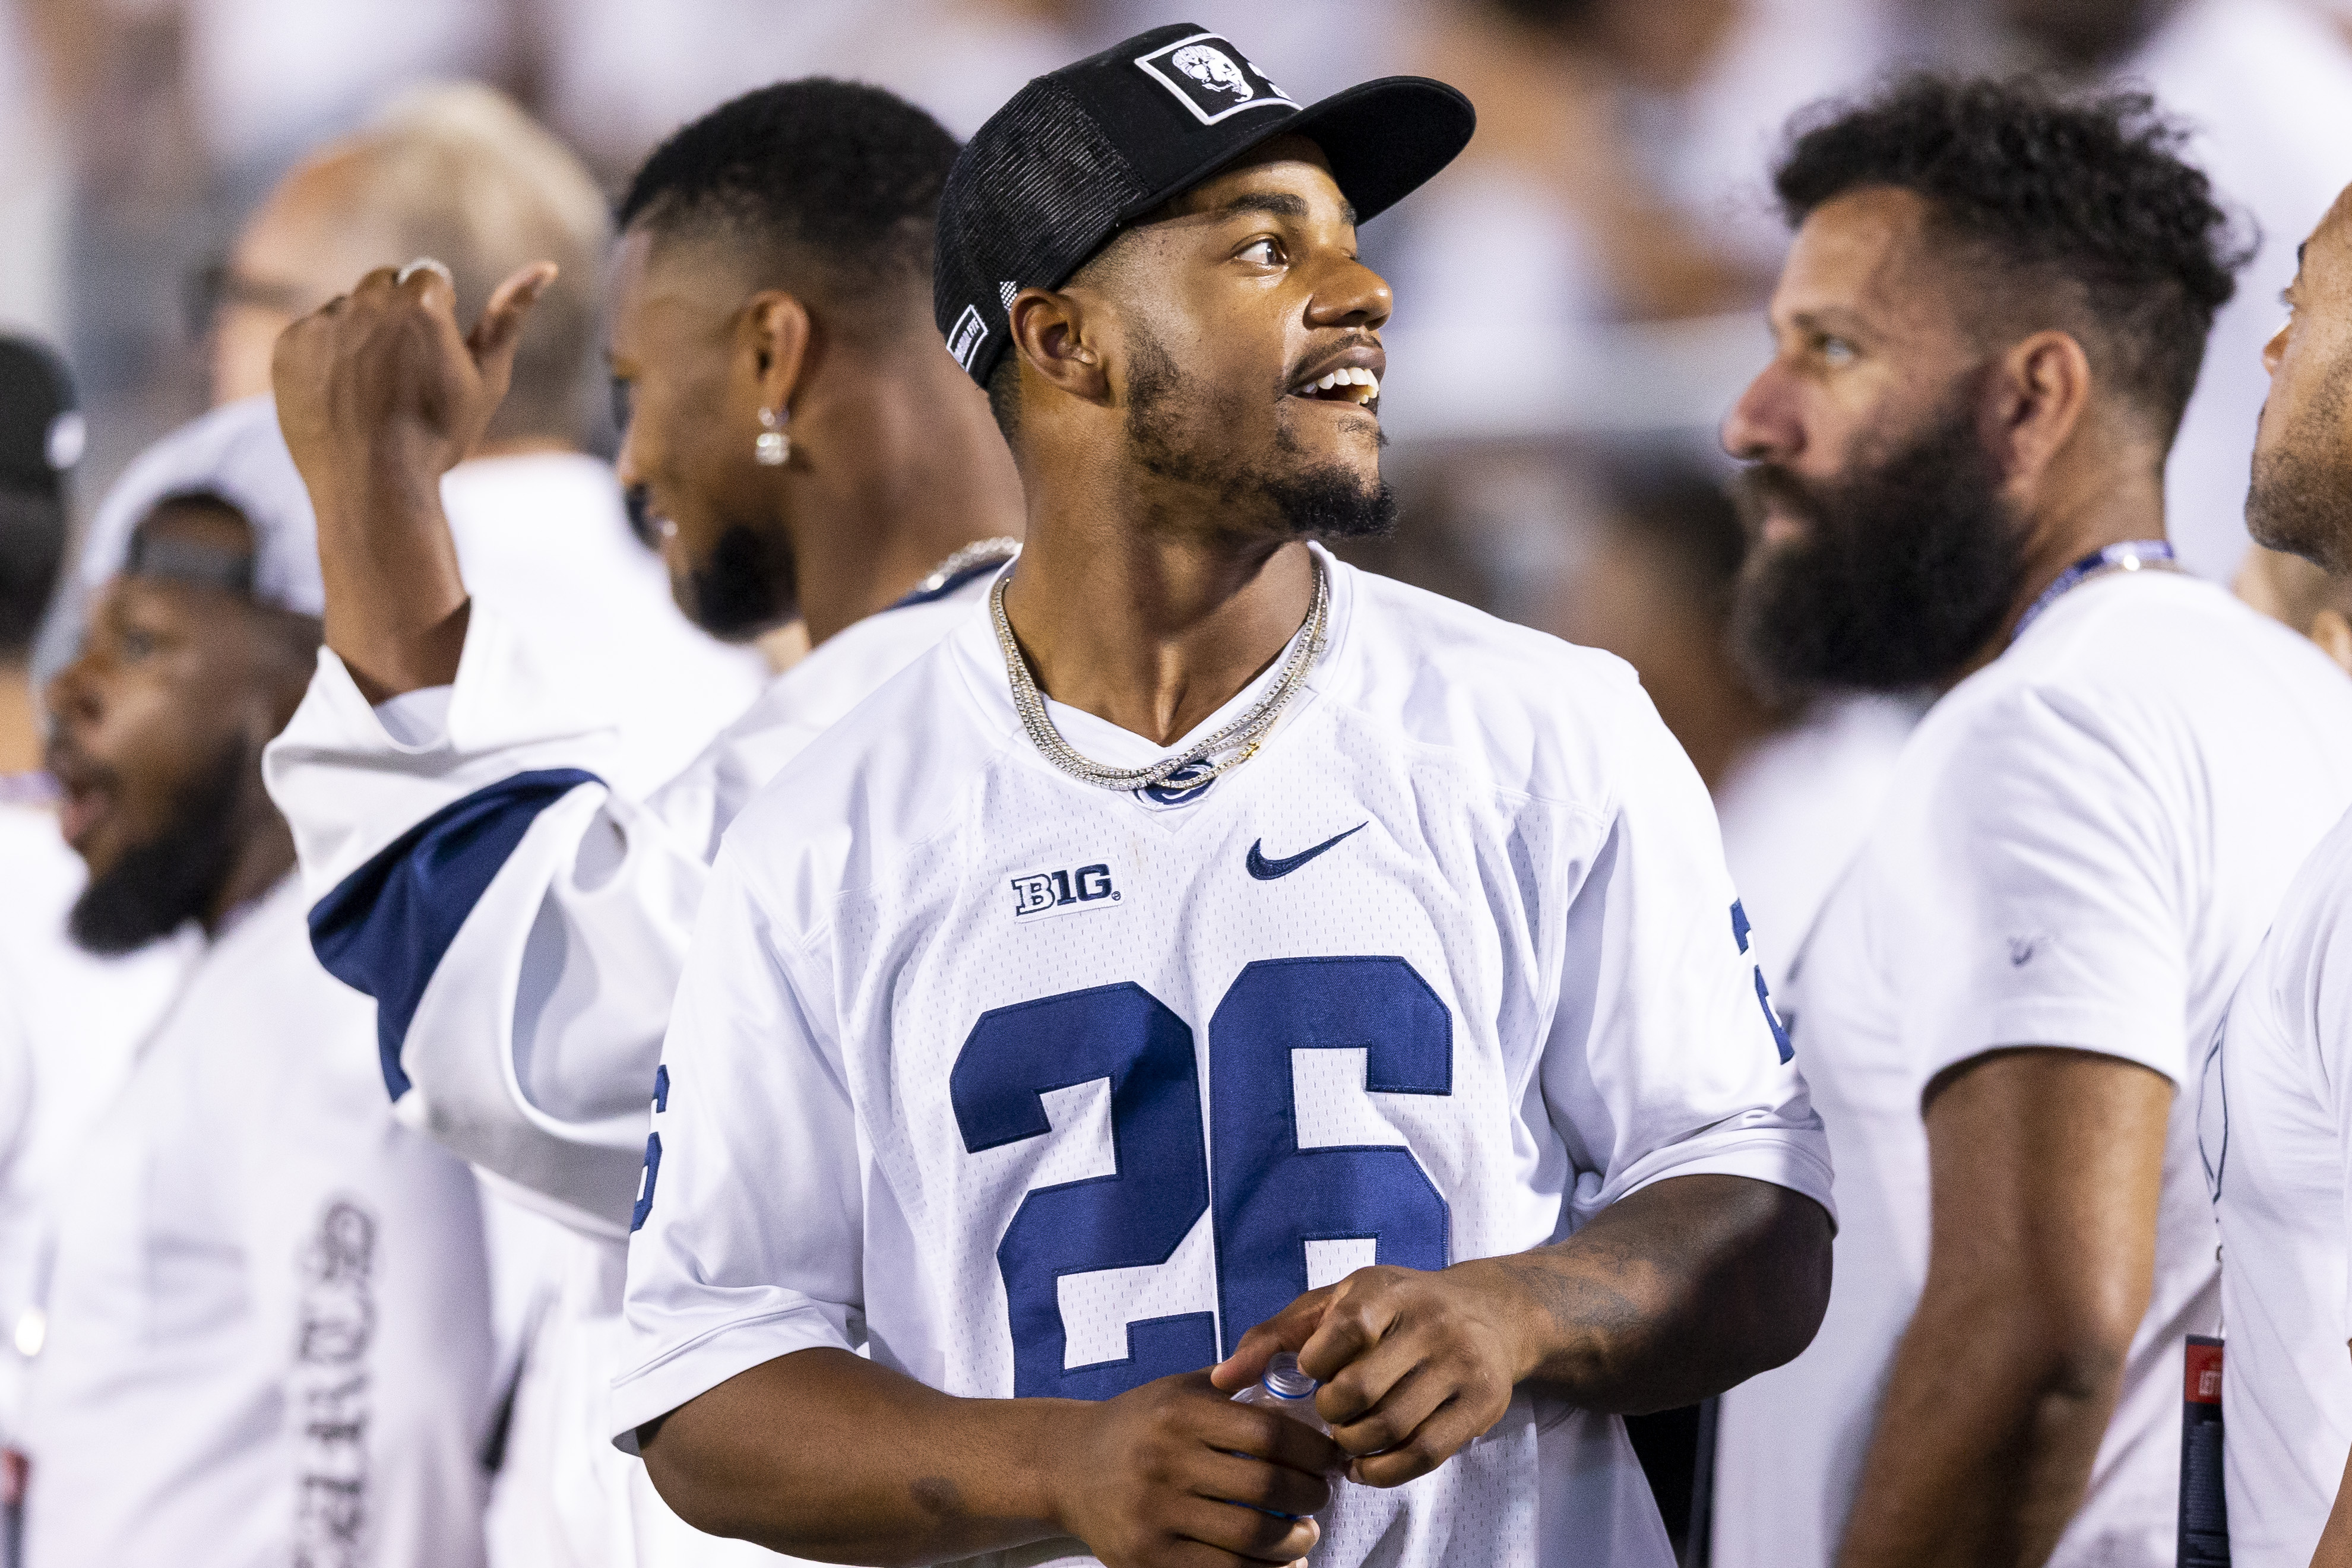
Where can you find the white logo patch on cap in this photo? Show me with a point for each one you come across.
(964, 341)
(1212, 77)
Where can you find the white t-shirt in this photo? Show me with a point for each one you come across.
(1796, 809)
(268, 1311)
(69, 1023)
(2083, 845)
(1452, 965)
(2274, 1128)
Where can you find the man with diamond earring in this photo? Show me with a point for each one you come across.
(790, 422)
(1209, 951)
(1986, 331)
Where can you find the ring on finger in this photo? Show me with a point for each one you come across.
(426, 264)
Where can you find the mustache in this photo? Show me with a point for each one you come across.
(1348, 338)
(1764, 488)
(69, 765)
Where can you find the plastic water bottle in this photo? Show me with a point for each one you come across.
(1288, 1389)
(1285, 1388)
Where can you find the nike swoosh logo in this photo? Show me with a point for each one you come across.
(1265, 870)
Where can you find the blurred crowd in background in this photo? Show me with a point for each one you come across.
(1585, 281)
(1579, 300)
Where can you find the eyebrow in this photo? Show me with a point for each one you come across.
(1280, 204)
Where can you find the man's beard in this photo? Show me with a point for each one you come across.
(1329, 501)
(745, 585)
(174, 877)
(2301, 499)
(1910, 564)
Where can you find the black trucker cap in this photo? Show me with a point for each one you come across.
(1081, 152)
(40, 432)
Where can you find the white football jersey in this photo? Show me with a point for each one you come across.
(2276, 1131)
(521, 922)
(268, 1311)
(1032, 1088)
(2083, 845)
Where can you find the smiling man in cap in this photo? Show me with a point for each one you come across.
(1210, 951)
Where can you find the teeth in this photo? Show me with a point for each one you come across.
(1350, 376)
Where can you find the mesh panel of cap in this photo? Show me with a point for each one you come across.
(1042, 175)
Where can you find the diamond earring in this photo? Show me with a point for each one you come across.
(772, 446)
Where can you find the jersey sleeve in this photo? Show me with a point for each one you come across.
(519, 924)
(750, 1239)
(2047, 910)
(1665, 1058)
(366, 1273)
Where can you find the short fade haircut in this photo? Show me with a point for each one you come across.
(2083, 207)
(835, 185)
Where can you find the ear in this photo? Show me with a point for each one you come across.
(772, 341)
(1050, 331)
(2043, 390)
(2333, 633)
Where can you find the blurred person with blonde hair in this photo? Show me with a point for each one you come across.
(457, 173)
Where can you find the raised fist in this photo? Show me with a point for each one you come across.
(380, 393)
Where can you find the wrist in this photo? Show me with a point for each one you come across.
(1513, 1310)
(1041, 1437)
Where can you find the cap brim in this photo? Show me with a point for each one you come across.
(1384, 138)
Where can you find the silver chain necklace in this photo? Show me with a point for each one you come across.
(1240, 738)
(979, 553)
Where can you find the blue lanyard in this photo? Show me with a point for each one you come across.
(2130, 555)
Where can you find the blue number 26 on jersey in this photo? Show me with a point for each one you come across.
(1271, 1197)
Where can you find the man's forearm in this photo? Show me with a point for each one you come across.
(1674, 1294)
(1984, 1442)
(2045, 1166)
(826, 1455)
(396, 605)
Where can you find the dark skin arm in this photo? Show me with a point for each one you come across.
(1680, 1291)
(1671, 1295)
(2044, 1170)
(380, 393)
(823, 1455)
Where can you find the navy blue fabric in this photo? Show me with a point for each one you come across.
(383, 929)
(933, 595)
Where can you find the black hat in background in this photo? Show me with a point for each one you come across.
(1081, 152)
(40, 426)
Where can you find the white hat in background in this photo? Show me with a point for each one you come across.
(236, 452)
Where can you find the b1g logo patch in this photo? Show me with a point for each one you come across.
(1211, 78)
(1042, 894)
